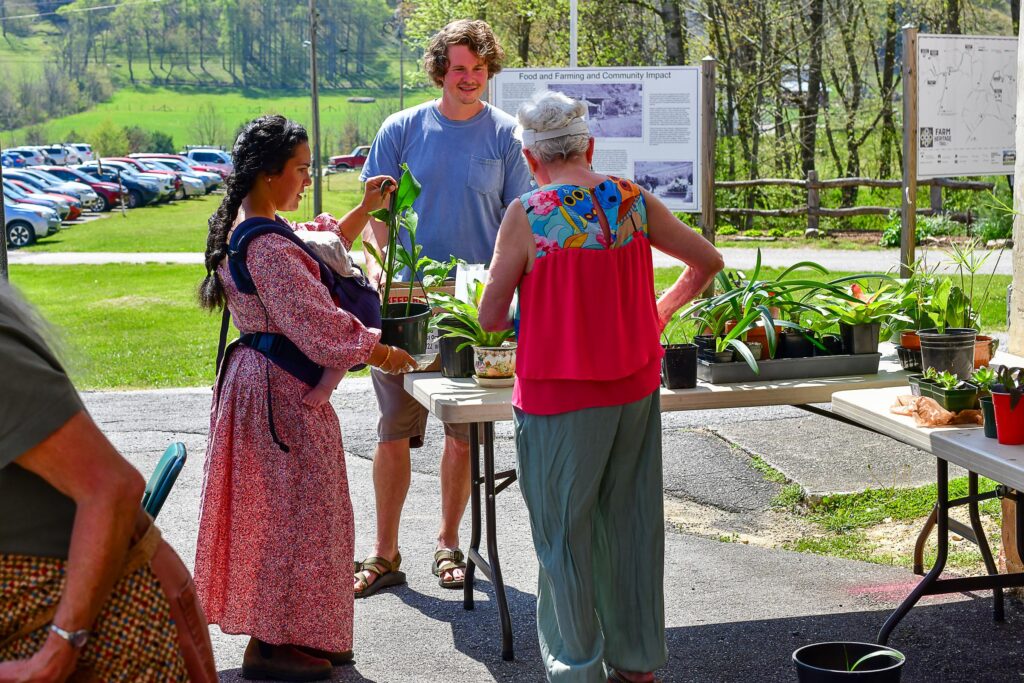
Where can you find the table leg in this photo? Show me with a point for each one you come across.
(941, 520)
(474, 506)
(492, 544)
(922, 539)
(979, 538)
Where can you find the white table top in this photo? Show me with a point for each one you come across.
(462, 400)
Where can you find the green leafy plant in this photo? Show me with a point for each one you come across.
(397, 216)
(467, 313)
(1010, 381)
(983, 378)
(793, 234)
(894, 229)
(436, 272)
(969, 259)
(893, 654)
(882, 306)
(776, 232)
(753, 233)
(948, 381)
(679, 330)
(726, 230)
(995, 220)
(930, 374)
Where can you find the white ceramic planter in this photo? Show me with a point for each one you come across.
(495, 361)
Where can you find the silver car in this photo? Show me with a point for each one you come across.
(25, 223)
(85, 193)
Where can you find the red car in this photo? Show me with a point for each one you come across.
(185, 160)
(179, 191)
(74, 203)
(348, 162)
(110, 193)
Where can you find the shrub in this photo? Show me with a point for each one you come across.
(139, 139)
(161, 142)
(727, 230)
(108, 140)
(753, 233)
(995, 220)
(793, 233)
(894, 228)
(776, 232)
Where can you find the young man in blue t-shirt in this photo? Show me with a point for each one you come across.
(464, 153)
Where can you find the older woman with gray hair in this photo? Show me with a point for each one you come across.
(586, 397)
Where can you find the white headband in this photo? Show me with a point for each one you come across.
(577, 126)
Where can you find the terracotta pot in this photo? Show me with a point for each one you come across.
(910, 340)
(760, 336)
(984, 349)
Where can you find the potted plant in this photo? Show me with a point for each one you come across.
(679, 364)
(1009, 411)
(405, 324)
(837, 661)
(861, 317)
(953, 393)
(494, 358)
(969, 258)
(984, 378)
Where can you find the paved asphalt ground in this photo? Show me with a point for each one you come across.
(734, 612)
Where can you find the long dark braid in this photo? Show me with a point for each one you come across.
(264, 146)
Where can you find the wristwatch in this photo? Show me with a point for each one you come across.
(77, 639)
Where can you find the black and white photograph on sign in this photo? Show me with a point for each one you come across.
(666, 179)
(614, 110)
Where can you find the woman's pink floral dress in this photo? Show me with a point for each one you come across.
(276, 533)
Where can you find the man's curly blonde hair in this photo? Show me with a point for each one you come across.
(473, 33)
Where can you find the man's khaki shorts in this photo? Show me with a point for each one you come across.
(402, 416)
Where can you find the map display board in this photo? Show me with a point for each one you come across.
(967, 105)
(645, 121)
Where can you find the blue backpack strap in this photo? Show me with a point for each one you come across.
(238, 248)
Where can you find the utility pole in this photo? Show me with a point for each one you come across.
(318, 204)
(3, 240)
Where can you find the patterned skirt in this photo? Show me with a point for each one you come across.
(133, 639)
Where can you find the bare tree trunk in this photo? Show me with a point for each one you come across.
(809, 106)
(1015, 15)
(673, 18)
(525, 24)
(951, 17)
(890, 137)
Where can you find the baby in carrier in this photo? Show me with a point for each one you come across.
(330, 249)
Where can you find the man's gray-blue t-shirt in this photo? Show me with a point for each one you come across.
(470, 171)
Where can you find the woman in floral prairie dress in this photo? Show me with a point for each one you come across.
(276, 533)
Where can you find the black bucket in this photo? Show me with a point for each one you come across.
(793, 344)
(408, 332)
(833, 346)
(952, 351)
(679, 366)
(455, 363)
(830, 663)
(860, 338)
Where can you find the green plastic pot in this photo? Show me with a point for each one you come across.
(955, 400)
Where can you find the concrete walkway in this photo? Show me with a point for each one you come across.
(734, 612)
(870, 261)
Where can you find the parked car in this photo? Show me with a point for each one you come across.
(163, 181)
(24, 224)
(109, 193)
(211, 178)
(348, 162)
(33, 155)
(85, 193)
(62, 155)
(31, 184)
(84, 151)
(11, 160)
(189, 184)
(140, 191)
(139, 167)
(21, 196)
(211, 157)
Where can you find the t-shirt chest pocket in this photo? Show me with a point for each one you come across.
(486, 176)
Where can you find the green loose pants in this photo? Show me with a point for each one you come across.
(592, 481)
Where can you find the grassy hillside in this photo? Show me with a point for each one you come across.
(176, 112)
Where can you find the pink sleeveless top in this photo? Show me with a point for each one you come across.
(587, 320)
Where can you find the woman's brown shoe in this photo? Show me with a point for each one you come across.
(335, 658)
(263, 661)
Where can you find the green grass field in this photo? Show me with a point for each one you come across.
(175, 111)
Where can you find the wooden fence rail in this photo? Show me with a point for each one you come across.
(814, 211)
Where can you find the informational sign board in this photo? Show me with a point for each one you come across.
(967, 105)
(645, 121)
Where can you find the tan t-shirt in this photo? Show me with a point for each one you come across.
(36, 398)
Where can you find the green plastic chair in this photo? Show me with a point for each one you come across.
(163, 478)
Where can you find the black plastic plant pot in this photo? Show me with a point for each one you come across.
(989, 412)
(705, 346)
(408, 332)
(951, 351)
(860, 338)
(831, 662)
(832, 343)
(792, 344)
(679, 366)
